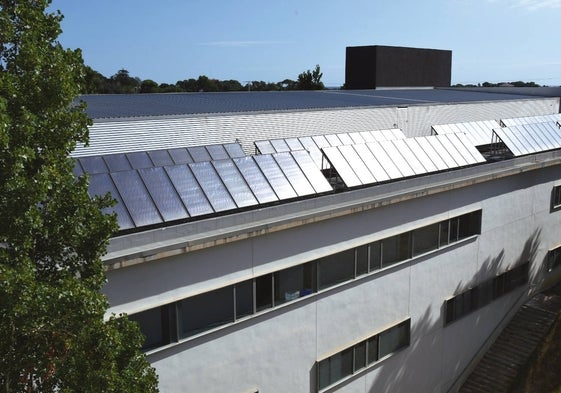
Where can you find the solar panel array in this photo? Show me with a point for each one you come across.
(531, 119)
(110, 163)
(314, 144)
(374, 162)
(478, 133)
(157, 194)
(530, 138)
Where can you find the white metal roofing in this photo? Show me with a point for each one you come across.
(515, 121)
(530, 138)
(373, 162)
(477, 132)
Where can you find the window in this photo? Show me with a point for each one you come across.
(556, 198)
(361, 260)
(244, 298)
(359, 356)
(553, 259)
(336, 268)
(469, 224)
(155, 324)
(426, 239)
(264, 292)
(395, 249)
(295, 282)
(206, 311)
(484, 293)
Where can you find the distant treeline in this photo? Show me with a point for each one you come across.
(123, 83)
(501, 84)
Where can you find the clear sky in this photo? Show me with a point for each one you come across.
(171, 40)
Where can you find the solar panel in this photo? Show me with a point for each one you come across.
(279, 145)
(189, 190)
(357, 164)
(313, 149)
(531, 119)
(371, 162)
(294, 144)
(441, 151)
(275, 176)
(160, 157)
(367, 136)
(313, 174)
(450, 149)
(93, 165)
(264, 147)
(77, 168)
(409, 157)
(163, 193)
(212, 185)
(356, 138)
(199, 154)
(255, 179)
(421, 155)
(235, 183)
(385, 161)
(342, 167)
(180, 155)
(470, 147)
(100, 184)
(345, 139)
(217, 152)
(117, 162)
(136, 198)
(333, 140)
(397, 158)
(140, 160)
(294, 174)
(477, 132)
(530, 138)
(234, 150)
(427, 147)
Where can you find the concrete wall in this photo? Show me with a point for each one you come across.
(277, 350)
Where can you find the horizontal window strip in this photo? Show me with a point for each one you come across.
(481, 295)
(196, 314)
(360, 356)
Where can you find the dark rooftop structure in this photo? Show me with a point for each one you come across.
(180, 104)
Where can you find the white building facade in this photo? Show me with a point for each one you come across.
(393, 287)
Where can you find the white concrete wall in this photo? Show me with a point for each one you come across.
(277, 350)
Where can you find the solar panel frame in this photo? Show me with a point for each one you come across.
(189, 190)
(470, 148)
(136, 198)
(311, 171)
(163, 193)
(100, 184)
(356, 138)
(279, 145)
(333, 140)
(255, 179)
(545, 135)
(553, 133)
(294, 174)
(235, 183)
(275, 176)
(294, 144)
(421, 155)
(345, 138)
(451, 149)
(213, 187)
(512, 145)
(367, 136)
(310, 145)
(535, 133)
(441, 151)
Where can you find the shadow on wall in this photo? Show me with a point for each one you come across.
(412, 369)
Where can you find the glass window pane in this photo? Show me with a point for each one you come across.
(206, 311)
(453, 230)
(154, 325)
(244, 299)
(341, 365)
(425, 239)
(360, 356)
(444, 233)
(361, 260)
(395, 338)
(264, 292)
(293, 283)
(323, 374)
(375, 256)
(470, 224)
(395, 249)
(336, 268)
(372, 349)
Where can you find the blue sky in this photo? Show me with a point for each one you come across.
(171, 40)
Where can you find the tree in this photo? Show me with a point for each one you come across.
(123, 83)
(311, 80)
(52, 234)
(149, 86)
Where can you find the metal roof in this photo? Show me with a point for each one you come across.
(177, 104)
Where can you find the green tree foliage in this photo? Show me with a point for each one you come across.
(52, 235)
(311, 80)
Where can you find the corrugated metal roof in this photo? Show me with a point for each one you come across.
(174, 104)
